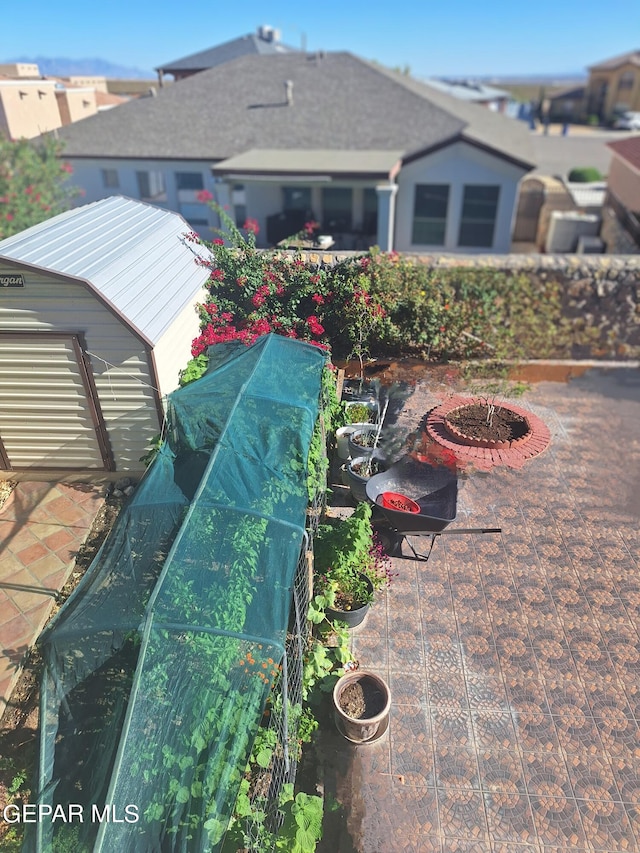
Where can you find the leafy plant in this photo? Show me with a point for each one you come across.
(302, 826)
(359, 413)
(154, 446)
(195, 368)
(32, 183)
(348, 559)
(584, 175)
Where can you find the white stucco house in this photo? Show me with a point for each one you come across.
(374, 156)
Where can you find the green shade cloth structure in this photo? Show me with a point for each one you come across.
(158, 667)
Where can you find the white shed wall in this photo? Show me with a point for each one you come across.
(173, 350)
(119, 360)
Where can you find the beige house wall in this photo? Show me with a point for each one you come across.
(78, 104)
(28, 108)
(97, 83)
(627, 98)
(624, 182)
(20, 69)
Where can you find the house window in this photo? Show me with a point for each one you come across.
(478, 222)
(337, 206)
(151, 186)
(296, 198)
(110, 178)
(626, 80)
(370, 212)
(430, 205)
(239, 201)
(189, 181)
(195, 214)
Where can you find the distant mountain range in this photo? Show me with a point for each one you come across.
(63, 67)
(576, 77)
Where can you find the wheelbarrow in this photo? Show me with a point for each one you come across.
(432, 493)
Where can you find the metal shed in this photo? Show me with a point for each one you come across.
(97, 315)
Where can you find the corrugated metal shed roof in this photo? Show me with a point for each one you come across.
(133, 255)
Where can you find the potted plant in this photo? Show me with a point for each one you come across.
(349, 568)
(363, 441)
(356, 416)
(371, 452)
(361, 702)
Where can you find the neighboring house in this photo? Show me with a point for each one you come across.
(31, 105)
(567, 104)
(96, 320)
(494, 99)
(372, 155)
(621, 218)
(265, 41)
(614, 86)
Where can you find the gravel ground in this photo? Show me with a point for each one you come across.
(6, 487)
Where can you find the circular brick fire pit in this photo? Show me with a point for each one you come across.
(513, 452)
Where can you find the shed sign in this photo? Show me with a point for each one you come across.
(11, 281)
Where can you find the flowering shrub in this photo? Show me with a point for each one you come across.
(253, 292)
(32, 183)
(382, 301)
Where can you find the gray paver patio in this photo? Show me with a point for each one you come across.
(514, 660)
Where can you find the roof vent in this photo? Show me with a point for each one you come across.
(267, 33)
(288, 92)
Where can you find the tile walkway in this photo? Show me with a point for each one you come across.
(42, 526)
(513, 659)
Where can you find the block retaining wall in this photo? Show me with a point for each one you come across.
(600, 292)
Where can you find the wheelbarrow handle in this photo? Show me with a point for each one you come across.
(470, 530)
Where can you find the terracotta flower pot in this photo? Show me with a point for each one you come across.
(362, 702)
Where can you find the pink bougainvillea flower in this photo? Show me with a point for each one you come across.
(218, 241)
(251, 225)
(204, 195)
(315, 327)
(67, 167)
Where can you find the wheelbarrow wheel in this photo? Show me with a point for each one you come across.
(390, 540)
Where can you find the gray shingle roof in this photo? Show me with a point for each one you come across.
(132, 255)
(242, 46)
(339, 102)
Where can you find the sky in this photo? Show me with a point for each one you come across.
(432, 38)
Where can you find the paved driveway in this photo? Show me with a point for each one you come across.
(557, 155)
(513, 660)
